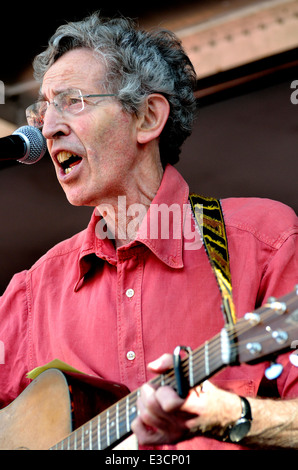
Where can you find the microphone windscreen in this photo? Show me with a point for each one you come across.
(36, 144)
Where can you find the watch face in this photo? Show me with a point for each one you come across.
(239, 430)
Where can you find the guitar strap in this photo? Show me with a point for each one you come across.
(209, 217)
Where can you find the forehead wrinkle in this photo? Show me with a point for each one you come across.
(63, 79)
(79, 68)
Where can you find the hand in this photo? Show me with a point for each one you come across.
(165, 418)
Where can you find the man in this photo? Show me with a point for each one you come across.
(115, 106)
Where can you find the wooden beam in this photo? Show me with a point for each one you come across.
(241, 36)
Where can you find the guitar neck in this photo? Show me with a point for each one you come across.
(113, 425)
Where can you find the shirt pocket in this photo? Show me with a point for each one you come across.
(242, 387)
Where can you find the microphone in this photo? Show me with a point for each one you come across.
(26, 145)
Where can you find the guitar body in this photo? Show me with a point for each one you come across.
(52, 406)
(39, 417)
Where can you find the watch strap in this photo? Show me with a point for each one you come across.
(237, 431)
(246, 409)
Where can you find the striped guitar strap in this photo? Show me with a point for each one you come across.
(209, 217)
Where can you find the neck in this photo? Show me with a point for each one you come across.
(123, 213)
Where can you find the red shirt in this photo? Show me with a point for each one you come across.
(109, 312)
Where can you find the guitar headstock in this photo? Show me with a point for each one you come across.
(271, 329)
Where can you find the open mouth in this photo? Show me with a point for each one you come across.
(68, 161)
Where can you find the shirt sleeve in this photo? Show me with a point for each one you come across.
(263, 237)
(280, 278)
(281, 272)
(14, 339)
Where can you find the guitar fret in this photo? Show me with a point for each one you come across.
(75, 441)
(87, 438)
(85, 434)
(78, 443)
(90, 436)
(190, 369)
(108, 427)
(84, 437)
(81, 438)
(117, 422)
(98, 433)
(127, 414)
(207, 368)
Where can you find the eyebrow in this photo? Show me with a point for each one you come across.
(42, 97)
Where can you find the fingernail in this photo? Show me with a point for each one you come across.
(155, 364)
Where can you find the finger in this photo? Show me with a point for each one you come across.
(168, 399)
(161, 364)
(155, 424)
(149, 408)
(151, 412)
(146, 435)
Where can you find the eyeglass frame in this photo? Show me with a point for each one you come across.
(81, 96)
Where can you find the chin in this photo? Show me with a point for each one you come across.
(79, 200)
(75, 200)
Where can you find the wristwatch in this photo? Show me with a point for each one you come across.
(237, 431)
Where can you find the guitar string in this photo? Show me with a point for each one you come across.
(169, 379)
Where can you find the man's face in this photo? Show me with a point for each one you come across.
(102, 135)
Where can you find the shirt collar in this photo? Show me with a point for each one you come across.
(161, 230)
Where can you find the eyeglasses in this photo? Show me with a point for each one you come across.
(68, 102)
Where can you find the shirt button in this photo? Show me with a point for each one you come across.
(130, 293)
(131, 355)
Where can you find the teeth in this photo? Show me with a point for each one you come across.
(63, 156)
(68, 160)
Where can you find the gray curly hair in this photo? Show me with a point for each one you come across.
(137, 63)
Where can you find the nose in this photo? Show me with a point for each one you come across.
(54, 124)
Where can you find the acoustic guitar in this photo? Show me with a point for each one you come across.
(53, 411)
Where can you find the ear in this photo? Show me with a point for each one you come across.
(152, 118)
